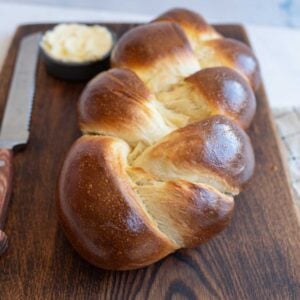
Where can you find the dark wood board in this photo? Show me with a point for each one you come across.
(256, 257)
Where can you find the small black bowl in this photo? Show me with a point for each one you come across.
(76, 71)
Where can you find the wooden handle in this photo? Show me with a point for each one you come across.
(5, 192)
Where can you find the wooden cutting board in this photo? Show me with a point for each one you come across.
(256, 257)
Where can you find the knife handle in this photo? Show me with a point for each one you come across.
(5, 192)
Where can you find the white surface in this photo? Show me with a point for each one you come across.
(278, 49)
(254, 12)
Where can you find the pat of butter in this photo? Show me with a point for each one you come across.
(77, 42)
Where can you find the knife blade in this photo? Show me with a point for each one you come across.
(15, 124)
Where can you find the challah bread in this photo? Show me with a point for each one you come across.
(159, 53)
(230, 53)
(194, 25)
(212, 91)
(118, 103)
(214, 151)
(118, 216)
(108, 106)
(116, 223)
(163, 151)
(211, 49)
(99, 210)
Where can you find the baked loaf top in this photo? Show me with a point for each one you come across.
(164, 148)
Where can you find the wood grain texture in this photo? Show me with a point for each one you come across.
(3, 242)
(5, 193)
(256, 257)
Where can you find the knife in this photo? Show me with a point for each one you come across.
(15, 124)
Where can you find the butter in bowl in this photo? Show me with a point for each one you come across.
(77, 51)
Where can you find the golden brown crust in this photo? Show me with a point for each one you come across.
(233, 54)
(159, 53)
(216, 147)
(198, 213)
(144, 45)
(101, 100)
(205, 40)
(227, 93)
(118, 103)
(205, 212)
(193, 23)
(99, 211)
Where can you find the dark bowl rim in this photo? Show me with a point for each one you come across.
(74, 63)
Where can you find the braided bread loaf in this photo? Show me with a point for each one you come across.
(164, 148)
